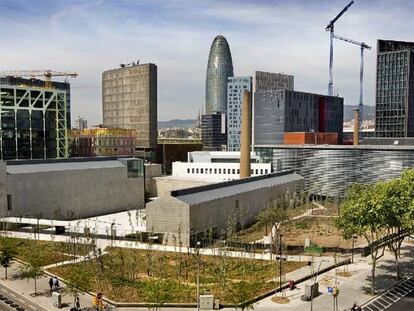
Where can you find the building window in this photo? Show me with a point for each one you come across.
(215, 171)
(201, 170)
(192, 170)
(236, 205)
(234, 171)
(135, 168)
(9, 202)
(188, 171)
(219, 170)
(197, 170)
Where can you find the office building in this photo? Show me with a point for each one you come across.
(214, 132)
(394, 108)
(194, 214)
(269, 81)
(281, 111)
(35, 118)
(219, 69)
(129, 101)
(81, 123)
(235, 88)
(328, 170)
(102, 142)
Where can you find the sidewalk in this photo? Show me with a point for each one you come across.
(44, 297)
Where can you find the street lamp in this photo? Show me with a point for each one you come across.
(198, 243)
(352, 250)
(280, 262)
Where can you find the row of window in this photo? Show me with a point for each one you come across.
(224, 171)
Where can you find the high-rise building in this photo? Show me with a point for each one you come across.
(81, 123)
(213, 132)
(129, 101)
(35, 118)
(268, 81)
(219, 68)
(394, 108)
(282, 111)
(235, 88)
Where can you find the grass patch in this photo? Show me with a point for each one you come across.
(128, 275)
(51, 252)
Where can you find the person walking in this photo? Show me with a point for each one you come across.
(77, 304)
(51, 284)
(56, 283)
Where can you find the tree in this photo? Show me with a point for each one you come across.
(242, 293)
(399, 211)
(362, 213)
(32, 269)
(78, 280)
(8, 251)
(158, 292)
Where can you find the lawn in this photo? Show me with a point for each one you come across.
(49, 252)
(127, 275)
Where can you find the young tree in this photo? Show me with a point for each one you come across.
(362, 213)
(8, 252)
(78, 280)
(158, 292)
(33, 267)
(242, 292)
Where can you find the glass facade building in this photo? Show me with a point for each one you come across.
(281, 111)
(35, 119)
(330, 169)
(219, 69)
(213, 132)
(235, 88)
(394, 115)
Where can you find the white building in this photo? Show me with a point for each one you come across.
(235, 88)
(216, 166)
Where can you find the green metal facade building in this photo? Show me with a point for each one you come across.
(34, 119)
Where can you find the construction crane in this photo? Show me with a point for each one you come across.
(362, 46)
(46, 74)
(330, 28)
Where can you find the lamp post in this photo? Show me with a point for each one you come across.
(352, 250)
(198, 243)
(280, 262)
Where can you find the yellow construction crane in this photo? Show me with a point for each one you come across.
(46, 74)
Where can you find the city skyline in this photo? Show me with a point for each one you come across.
(272, 36)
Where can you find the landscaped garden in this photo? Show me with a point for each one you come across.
(128, 275)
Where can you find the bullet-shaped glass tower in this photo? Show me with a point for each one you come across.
(219, 68)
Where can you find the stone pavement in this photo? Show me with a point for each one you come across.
(44, 297)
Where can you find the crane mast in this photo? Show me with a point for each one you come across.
(362, 46)
(330, 28)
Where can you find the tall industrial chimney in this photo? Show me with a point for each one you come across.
(356, 126)
(245, 135)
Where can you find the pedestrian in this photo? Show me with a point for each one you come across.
(51, 284)
(77, 304)
(56, 283)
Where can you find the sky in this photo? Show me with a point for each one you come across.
(287, 36)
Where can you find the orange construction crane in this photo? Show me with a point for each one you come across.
(47, 74)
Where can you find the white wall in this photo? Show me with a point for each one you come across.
(216, 171)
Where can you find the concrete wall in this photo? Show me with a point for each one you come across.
(243, 207)
(72, 194)
(3, 190)
(169, 216)
(164, 185)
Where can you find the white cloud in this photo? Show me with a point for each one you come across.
(277, 36)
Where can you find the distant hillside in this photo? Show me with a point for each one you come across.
(368, 114)
(177, 123)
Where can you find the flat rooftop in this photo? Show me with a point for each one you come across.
(38, 166)
(343, 147)
(216, 191)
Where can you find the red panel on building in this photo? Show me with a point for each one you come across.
(308, 138)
